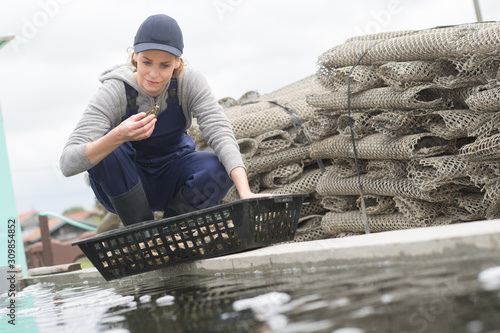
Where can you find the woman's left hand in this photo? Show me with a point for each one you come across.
(250, 195)
(239, 177)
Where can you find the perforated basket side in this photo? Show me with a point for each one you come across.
(170, 241)
(275, 221)
(204, 234)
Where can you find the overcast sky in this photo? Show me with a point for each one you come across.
(49, 71)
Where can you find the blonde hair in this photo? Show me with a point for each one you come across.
(131, 61)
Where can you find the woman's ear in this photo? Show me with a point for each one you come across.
(134, 56)
(177, 62)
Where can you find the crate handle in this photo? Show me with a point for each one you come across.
(284, 198)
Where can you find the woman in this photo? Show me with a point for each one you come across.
(139, 163)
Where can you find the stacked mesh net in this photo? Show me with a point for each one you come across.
(419, 108)
(275, 132)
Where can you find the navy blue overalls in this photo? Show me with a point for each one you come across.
(164, 163)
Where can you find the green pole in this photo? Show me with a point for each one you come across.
(11, 242)
(70, 221)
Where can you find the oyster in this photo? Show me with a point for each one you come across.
(154, 111)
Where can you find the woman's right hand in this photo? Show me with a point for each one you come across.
(136, 127)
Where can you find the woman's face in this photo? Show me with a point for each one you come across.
(154, 70)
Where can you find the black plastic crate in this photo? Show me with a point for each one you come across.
(212, 232)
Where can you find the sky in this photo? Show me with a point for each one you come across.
(49, 71)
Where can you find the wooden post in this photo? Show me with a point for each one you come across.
(48, 258)
(478, 11)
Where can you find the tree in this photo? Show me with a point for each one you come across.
(73, 210)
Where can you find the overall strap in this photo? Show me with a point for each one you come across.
(172, 89)
(132, 106)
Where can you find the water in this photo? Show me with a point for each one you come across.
(448, 293)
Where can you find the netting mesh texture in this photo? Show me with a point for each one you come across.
(425, 117)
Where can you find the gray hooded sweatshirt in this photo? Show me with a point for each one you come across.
(106, 109)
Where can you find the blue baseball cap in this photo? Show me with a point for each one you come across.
(159, 32)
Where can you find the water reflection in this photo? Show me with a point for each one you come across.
(439, 294)
(200, 305)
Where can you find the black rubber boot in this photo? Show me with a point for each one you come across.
(178, 205)
(132, 206)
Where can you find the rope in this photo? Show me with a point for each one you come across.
(297, 124)
(360, 185)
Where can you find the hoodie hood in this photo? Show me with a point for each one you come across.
(120, 72)
(125, 73)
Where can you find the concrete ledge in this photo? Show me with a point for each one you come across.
(464, 237)
(483, 235)
(86, 274)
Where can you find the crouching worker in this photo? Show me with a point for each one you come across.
(132, 136)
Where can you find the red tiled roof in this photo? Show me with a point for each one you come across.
(27, 214)
(78, 216)
(36, 233)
